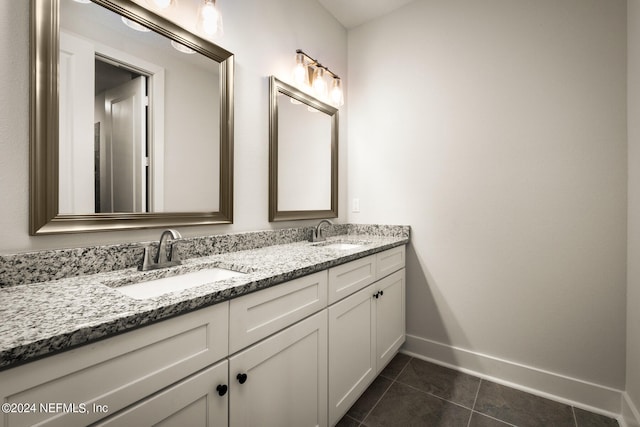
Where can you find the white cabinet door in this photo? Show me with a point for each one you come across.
(282, 381)
(352, 350)
(200, 400)
(390, 317)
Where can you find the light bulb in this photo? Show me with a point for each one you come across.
(160, 4)
(337, 97)
(319, 84)
(209, 19)
(300, 75)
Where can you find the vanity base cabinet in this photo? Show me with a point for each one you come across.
(366, 330)
(116, 372)
(197, 401)
(282, 381)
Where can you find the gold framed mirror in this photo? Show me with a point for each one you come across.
(156, 206)
(303, 155)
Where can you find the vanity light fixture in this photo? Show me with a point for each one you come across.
(307, 66)
(210, 19)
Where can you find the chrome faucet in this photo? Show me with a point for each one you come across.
(162, 259)
(316, 235)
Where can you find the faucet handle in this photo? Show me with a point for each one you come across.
(146, 259)
(174, 253)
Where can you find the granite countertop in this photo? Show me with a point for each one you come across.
(40, 319)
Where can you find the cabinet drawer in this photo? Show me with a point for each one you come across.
(117, 371)
(389, 261)
(348, 278)
(192, 402)
(255, 316)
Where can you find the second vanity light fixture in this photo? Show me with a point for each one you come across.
(309, 73)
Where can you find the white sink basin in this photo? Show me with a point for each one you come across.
(157, 287)
(342, 246)
(339, 244)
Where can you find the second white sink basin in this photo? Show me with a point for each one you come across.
(157, 287)
(342, 246)
(339, 244)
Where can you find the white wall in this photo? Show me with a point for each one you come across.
(497, 130)
(262, 35)
(633, 255)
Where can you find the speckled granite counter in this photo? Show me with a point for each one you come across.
(42, 318)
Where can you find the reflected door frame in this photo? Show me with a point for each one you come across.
(155, 117)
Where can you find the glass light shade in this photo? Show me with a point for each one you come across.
(300, 73)
(319, 84)
(83, 1)
(210, 19)
(134, 25)
(337, 96)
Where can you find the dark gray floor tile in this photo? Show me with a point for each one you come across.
(520, 408)
(369, 398)
(347, 421)
(440, 381)
(397, 364)
(405, 406)
(589, 419)
(479, 420)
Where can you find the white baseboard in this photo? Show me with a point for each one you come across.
(630, 412)
(582, 394)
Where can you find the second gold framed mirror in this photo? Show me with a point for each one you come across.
(303, 155)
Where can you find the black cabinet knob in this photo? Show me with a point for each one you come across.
(381, 293)
(241, 378)
(376, 295)
(222, 389)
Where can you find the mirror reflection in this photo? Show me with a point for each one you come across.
(128, 129)
(139, 119)
(303, 159)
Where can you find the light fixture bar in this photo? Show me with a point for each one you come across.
(315, 63)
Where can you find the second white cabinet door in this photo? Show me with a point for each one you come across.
(352, 348)
(200, 400)
(282, 381)
(390, 317)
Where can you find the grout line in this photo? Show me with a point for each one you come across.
(575, 419)
(475, 399)
(385, 391)
(376, 404)
(494, 418)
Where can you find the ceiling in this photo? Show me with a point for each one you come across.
(352, 13)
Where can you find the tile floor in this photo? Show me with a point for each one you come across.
(411, 392)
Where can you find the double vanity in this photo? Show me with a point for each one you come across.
(285, 334)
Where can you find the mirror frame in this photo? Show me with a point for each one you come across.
(277, 86)
(44, 127)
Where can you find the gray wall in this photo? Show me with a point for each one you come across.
(497, 129)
